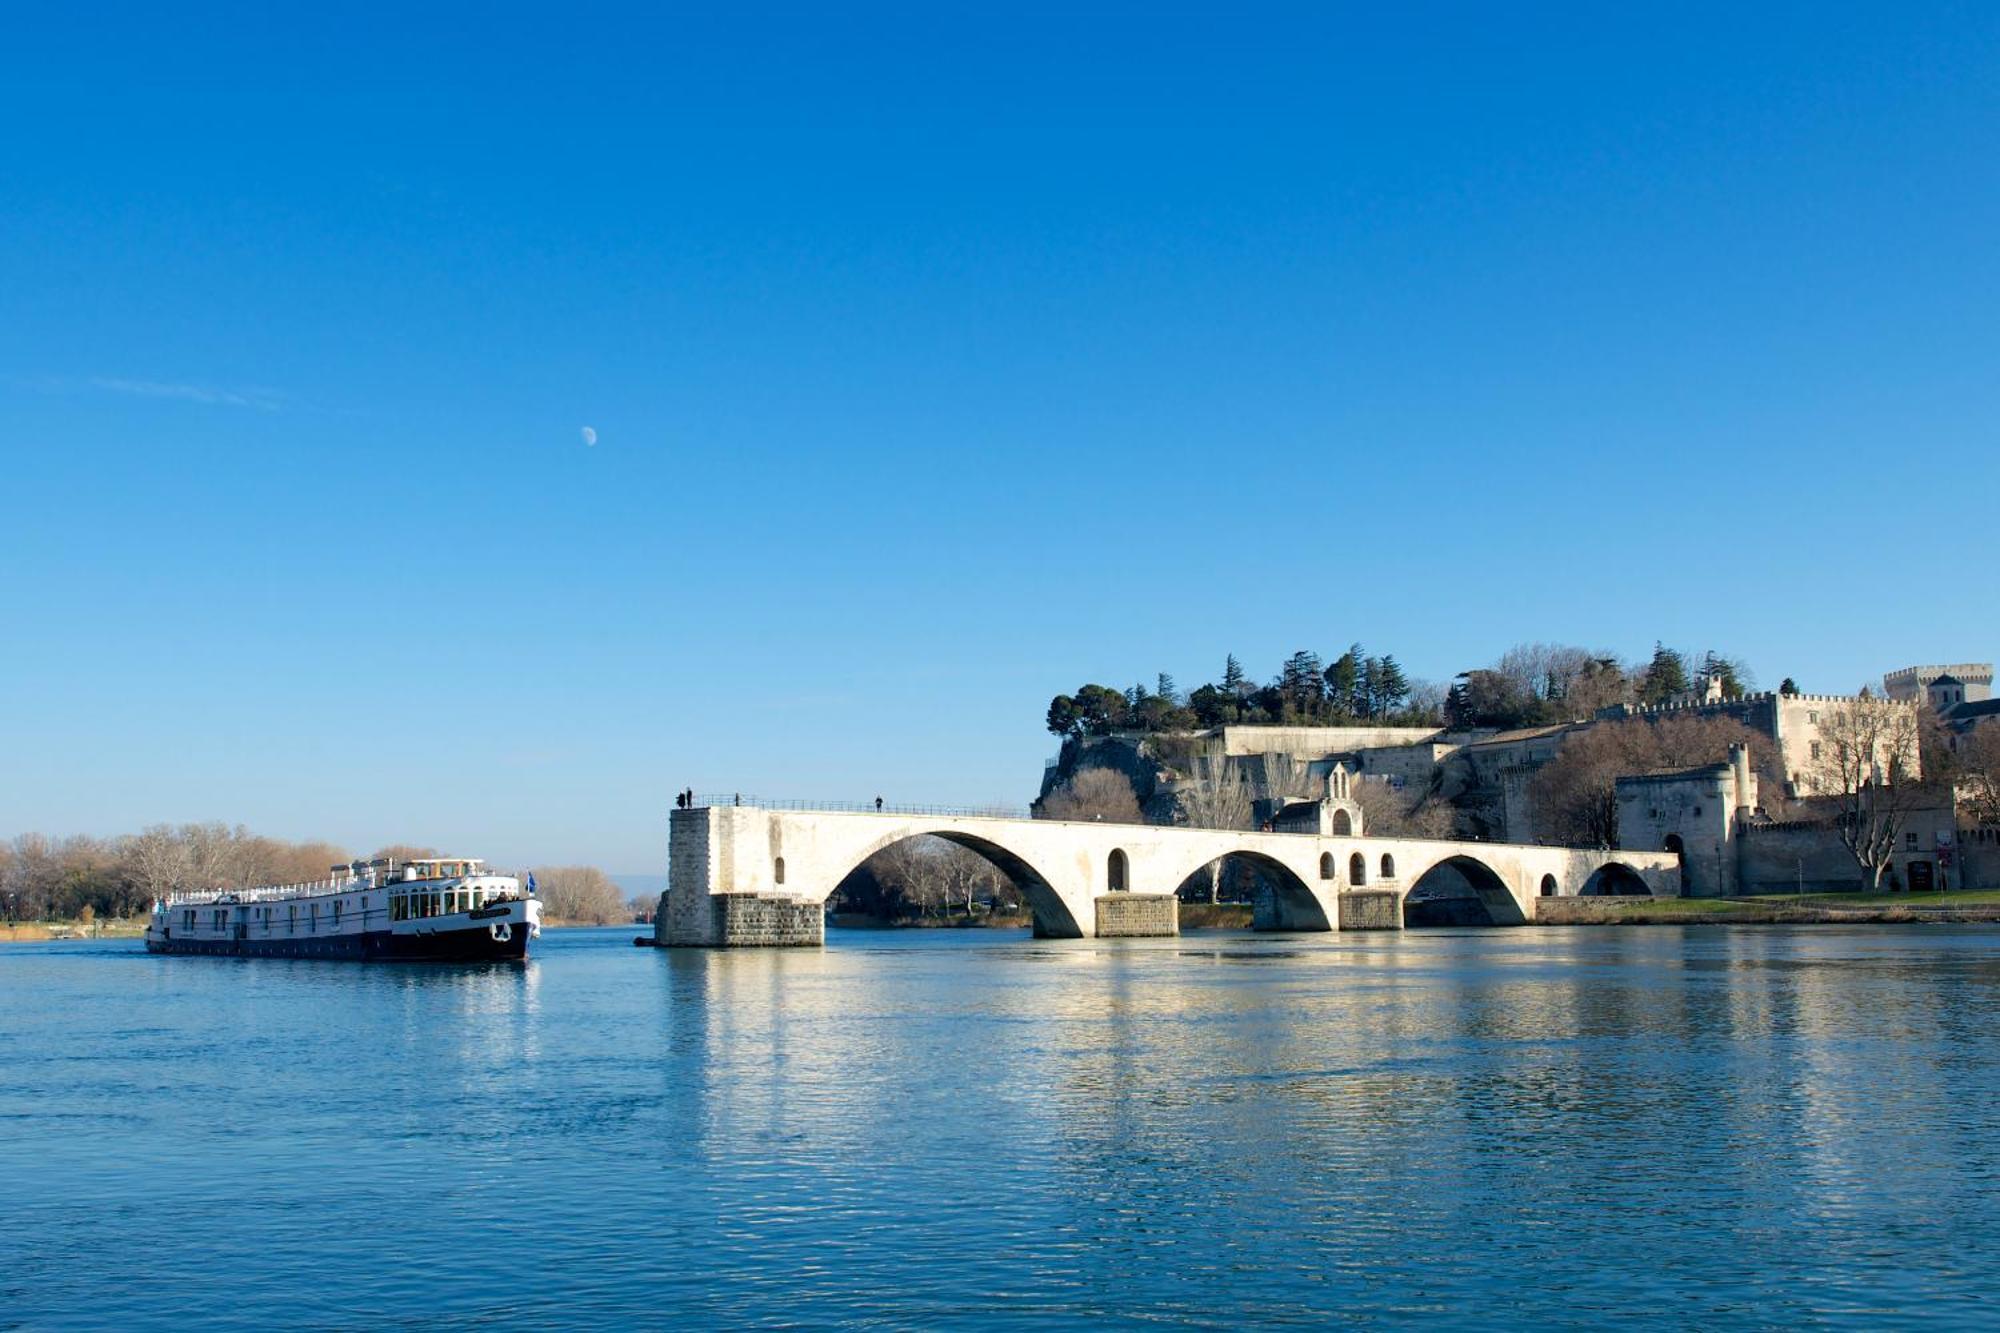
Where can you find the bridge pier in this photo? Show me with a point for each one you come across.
(1137, 915)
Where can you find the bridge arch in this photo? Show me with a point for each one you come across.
(1283, 901)
(1614, 879)
(1461, 890)
(1053, 915)
(1280, 898)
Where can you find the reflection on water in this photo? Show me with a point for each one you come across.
(1669, 1126)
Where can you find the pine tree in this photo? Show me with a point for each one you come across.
(1168, 690)
(1232, 677)
(1364, 688)
(1788, 686)
(1343, 681)
(1666, 676)
(1726, 669)
(1301, 684)
(1392, 687)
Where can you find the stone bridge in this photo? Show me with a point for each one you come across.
(747, 875)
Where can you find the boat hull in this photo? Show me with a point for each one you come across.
(473, 944)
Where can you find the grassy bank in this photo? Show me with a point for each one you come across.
(1824, 908)
(1215, 916)
(995, 920)
(27, 932)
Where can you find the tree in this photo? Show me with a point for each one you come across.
(1788, 686)
(1729, 670)
(579, 895)
(157, 861)
(1573, 799)
(403, 851)
(1343, 680)
(1222, 802)
(1213, 707)
(1102, 711)
(1388, 813)
(1978, 771)
(1155, 713)
(1665, 676)
(1866, 750)
(1391, 686)
(1487, 698)
(1166, 689)
(1300, 684)
(1065, 719)
(1095, 794)
(1233, 681)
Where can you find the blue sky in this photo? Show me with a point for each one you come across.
(940, 361)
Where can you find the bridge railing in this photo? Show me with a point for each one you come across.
(994, 811)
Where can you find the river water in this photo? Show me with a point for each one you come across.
(1745, 1127)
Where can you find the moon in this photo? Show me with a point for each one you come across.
(589, 435)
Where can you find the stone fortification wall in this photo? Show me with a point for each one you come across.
(1978, 858)
(1406, 767)
(1315, 742)
(1910, 684)
(1778, 858)
(1137, 915)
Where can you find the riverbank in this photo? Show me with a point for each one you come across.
(30, 932)
(1973, 905)
(1193, 916)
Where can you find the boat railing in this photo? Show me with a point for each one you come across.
(264, 893)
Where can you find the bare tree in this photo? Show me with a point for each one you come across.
(215, 853)
(965, 875)
(1096, 793)
(1573, 799)
(1978, 771)
(1862, 766)
(1388, 813)
(1221, 802)
(403, 851)
(579, 894)
(158, 861)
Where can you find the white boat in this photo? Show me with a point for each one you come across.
(431, 909)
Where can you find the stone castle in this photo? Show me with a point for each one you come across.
(1712, 815)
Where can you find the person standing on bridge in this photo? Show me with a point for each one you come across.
(878, 805)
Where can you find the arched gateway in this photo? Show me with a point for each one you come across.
(752, 875)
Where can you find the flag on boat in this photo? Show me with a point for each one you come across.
(531, 883)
